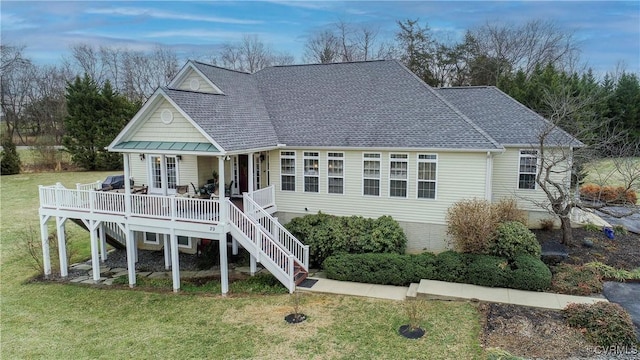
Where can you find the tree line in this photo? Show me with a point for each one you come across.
(535, 62)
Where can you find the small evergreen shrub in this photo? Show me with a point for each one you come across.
(387, 269)
(329, 235)
(530, 273)
(605, 324)
(514, 239)
(451, 266)
(576, 280)
(9, 158)
(492, 271)
(424, 266)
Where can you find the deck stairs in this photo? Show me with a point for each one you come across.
(113, 235)
(269, 242)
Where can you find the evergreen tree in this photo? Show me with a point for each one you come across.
(625, 108)
(9, 159)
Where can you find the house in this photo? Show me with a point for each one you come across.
(364, 138)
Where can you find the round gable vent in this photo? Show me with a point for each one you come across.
(166, 116)
(194, 84)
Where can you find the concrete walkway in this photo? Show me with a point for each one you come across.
(440, 290)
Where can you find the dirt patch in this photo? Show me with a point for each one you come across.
(623, 252)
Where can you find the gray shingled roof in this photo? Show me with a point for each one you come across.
(505, 119)
(236, 120)
(363, 104)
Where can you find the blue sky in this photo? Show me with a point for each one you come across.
(608, 31)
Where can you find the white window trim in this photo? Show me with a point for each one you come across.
(295, 164)
(145, 241)
(189, 242)
(406, 180)
(305, 176)
(152, 174)
(418, 161)
(520, 156)
(329, 176)
(379, 178)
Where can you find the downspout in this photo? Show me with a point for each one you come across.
(488, 179)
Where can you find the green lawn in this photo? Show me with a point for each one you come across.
(603, 172)
(54, 321)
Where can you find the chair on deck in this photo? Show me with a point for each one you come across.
(182, 190)
(227, 189)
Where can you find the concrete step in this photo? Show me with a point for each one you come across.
(412, 293)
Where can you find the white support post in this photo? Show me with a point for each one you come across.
(163, 174)
(135, 252)
(224, 266)
(103, 242)
(234, 246)
(95, 257)
(127, 185)
(131, 264)
(167, 252)
(250, 181)
(44, 236)
(62, 246)
(223, 207)
(253, 266)
(175, 266)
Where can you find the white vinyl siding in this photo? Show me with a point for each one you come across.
(288, 170)
(335, 173)
(203, 85)
(427, 176)
(371, 174)
(311, 172)
(398, 175)
(153, 129)
(459, 176)
(527, 169)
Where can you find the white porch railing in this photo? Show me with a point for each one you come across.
(276, 259)
(89, 186)
(150, 206)
(272, 226)
(265, 197)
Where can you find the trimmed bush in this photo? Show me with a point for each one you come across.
(387, 269)
(514, 239)
(424, 266)
(492, 271)
(530, 273)
(605, 324)
(451, 266)
(329, 235)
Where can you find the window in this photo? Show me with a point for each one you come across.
(427, 166)
(151, 238)
(398, 175)
(371, 174)
(184, 241)
(335, 173)
(288, 170)
(528, 169)
(311, 172)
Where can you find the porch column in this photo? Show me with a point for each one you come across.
(44, 237)
(103, 243)
(131, 264)
(224, 265)
(223, 208)
(95, 257)
(251, 165)
(253, 266)
(163, 174)
(62, 246)
(167, 251)
(234, 246)
(175, 266)
(127, 187)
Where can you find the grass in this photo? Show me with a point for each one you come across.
(603, 172)
(62, 321)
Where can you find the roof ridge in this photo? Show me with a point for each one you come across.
(463, 87)
(323, 64)
(455, 109)
(219, 67)
(190, 91)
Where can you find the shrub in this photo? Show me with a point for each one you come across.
(9, 158)
(451, 266)
(424, 266)
(471, 225)
(387, 269)
(492, 271)
(507, 210)
(530, 273)
(605, 324)
(608, 194)
(547, 224)
(610, 273)
(576, 280)
(514, 239)
(592, 227)
(329, 235)
(620, 229)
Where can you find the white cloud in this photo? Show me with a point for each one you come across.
(128, 11)
(196, 33)
(11, 21)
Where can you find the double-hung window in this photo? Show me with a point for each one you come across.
(335, 173)
(371, 174)
(311, 171)
(398, 165)
(288, 170)
(427, 167)
(528, 167)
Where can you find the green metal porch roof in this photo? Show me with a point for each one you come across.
(167, 145)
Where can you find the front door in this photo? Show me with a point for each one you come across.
(156, 182)
(243, 171)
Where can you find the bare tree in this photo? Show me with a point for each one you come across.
(251, 54)
(16, 87)
(322, 47)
